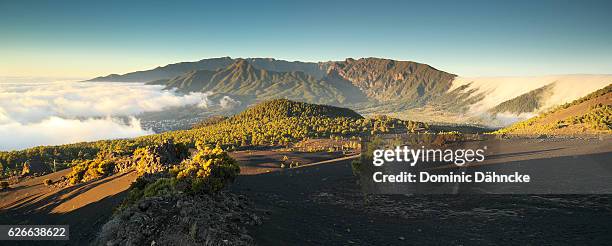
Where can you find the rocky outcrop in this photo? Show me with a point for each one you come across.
(218, 219)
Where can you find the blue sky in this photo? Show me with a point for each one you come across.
(470, 38)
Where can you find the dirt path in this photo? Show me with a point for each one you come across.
(85, 207)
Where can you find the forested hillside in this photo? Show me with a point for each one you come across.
(526, 103)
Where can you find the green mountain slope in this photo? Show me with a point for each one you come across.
(243, 79)
(526, 103)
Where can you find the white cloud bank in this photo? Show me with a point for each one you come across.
(55, 131)
(34, 102)
(54, 113)
(500, 89)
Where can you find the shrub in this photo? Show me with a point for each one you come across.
(159, 187)
(147, 183)
(78, 172)
(154, 159)
(99, 168)
(103, 165)
(445, 138)
(294, 164)
(356, 167)
(208, 171)
(147, 161)
(26, 169)
(4, 185)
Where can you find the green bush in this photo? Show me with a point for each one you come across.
(208, 171)
(26, 169)
(147, 160)
(356, 167)
(78, 172)
(150, 184)
(159, 187)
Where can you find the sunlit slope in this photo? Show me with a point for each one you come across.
(588, 115)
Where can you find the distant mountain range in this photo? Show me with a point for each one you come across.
(406, 89)
(242, 79)
(348, 82)
(316, 70)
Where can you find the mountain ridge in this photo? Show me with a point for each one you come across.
(316, 69)
(364, 79)
(242, 79)
(406, 89)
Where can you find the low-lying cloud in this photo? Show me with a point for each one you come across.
(55, 131)
(229, 103)
(500, 89)
(54, 113)
(34, 102)
(226, 102)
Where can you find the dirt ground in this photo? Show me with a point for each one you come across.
(86, 207)
(321, 203)
(264, 161)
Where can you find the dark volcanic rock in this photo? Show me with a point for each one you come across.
(179, 219)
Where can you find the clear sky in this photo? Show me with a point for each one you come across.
(470, 38)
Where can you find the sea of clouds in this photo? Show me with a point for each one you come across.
(52, 113)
